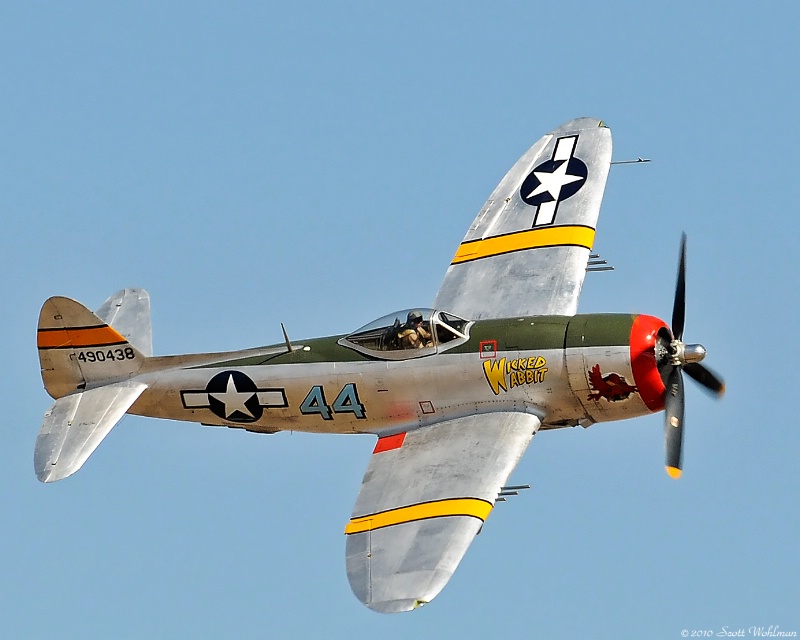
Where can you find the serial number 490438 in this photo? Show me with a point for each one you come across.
(101, 355)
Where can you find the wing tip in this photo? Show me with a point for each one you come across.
(396, 606)
(581, 123)
(53, 473)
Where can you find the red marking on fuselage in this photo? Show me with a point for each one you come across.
(389, 442)
(612, 387)
(488, 349)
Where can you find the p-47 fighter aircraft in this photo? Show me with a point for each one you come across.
(455, 393)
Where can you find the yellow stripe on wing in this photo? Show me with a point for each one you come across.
(562, 236)
(473, 507)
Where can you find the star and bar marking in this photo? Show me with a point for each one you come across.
(233, 396)
(554, 181)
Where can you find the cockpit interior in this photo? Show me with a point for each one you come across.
(411, 333)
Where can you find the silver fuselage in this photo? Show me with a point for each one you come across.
(324, 387)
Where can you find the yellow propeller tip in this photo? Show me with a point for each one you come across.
(674, 472)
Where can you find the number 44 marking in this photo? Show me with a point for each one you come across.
(346, 402)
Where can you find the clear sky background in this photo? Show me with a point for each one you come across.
(317, 164)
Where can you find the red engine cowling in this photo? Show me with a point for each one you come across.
(644, 336)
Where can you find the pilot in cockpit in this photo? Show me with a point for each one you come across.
(414, 334)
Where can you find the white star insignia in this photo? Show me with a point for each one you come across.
(553, 182)
(233, 399)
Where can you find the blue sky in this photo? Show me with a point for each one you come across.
(254, 163)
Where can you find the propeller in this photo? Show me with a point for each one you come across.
(674, 357)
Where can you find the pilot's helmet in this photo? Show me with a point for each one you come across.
(414, 317)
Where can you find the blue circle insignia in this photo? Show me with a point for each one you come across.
(553, 180)
(233, 396)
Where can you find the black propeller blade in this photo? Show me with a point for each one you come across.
(704, 376)
(682, 357)
(673, 424)
(679, 305)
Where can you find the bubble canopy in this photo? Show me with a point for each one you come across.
(410, 333)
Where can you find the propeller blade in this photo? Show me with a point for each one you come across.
(673, 425)
(710, 380)
(679, 306)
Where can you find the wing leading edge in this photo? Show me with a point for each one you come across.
(424, 497)
(526, 251)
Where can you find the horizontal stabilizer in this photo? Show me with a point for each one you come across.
(76, 424)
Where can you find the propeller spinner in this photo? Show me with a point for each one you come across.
(674, 357)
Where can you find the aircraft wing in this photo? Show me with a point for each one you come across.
(424, 497)
(526, 251)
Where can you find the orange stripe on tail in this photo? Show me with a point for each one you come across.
(78, 337)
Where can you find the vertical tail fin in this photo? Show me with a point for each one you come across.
(128, 311)
(78, 350)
